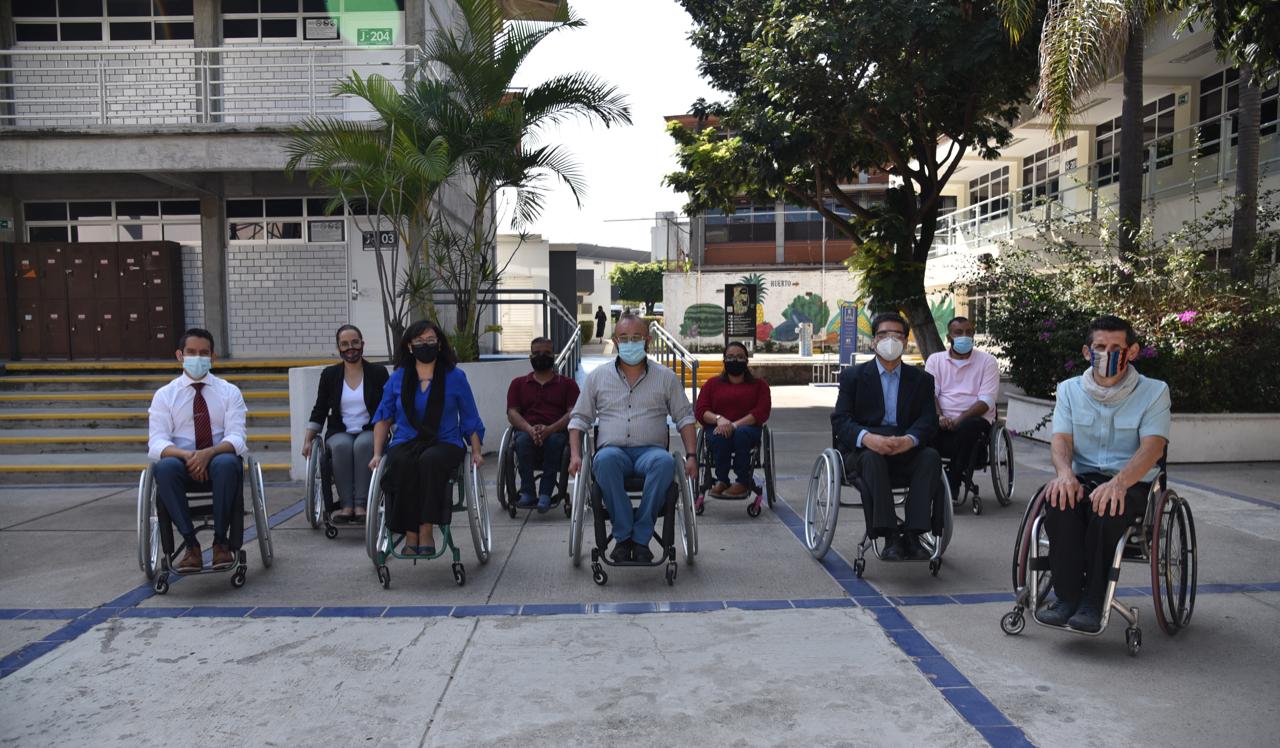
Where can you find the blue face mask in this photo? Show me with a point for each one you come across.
(632, 353)
(196, 366)
(962, 345)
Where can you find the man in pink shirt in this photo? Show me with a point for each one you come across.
(966, 384)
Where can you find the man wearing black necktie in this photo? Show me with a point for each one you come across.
(197, 434)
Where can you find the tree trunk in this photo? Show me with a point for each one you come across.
(923, 328)
(648, 308)
(1244, 223)
(1129, 207)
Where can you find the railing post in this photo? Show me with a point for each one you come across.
(102, 93)
(311, 82)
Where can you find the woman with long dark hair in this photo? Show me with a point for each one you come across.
(348, 396)
(736, 404)
(430, 402)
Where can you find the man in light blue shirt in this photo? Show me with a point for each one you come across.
(1110, 429)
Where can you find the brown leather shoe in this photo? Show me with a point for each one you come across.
(222, 557)
(718, 489)
(191, 560)
(736, 491)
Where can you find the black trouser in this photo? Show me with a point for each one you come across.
(1082, 544)
(919, 469)
(416, 482)
(957, 446)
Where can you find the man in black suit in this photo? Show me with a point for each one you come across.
(884, 420)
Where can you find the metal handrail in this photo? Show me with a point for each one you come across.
(570, 357)
(668, 351)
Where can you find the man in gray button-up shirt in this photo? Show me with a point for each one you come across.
(630, 401)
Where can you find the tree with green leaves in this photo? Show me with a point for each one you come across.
(1247, 33)
(494, 138)
(638, 282)
(822, 92)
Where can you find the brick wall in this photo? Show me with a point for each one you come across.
(193, 285)
(285, 299)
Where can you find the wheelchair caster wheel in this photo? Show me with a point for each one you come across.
(598, 575)
(330, 532)
(237, 579)
(859, 565)
(1133, 640)
(753, 510)
(512, 511)
(161, 585)
(568, 507)
(671, 574)
(459, 575)
(1012, 623)
(384, 577)
(977, 505)
(934, 565)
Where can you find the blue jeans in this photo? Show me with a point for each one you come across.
(611, 466)
(735, 449)
(527, 459)
(226, 475)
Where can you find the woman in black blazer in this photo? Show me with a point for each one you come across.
(349, 394)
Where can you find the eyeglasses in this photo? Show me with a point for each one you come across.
(631, 339)
(735, 358)
(426, 341)
(890, 334)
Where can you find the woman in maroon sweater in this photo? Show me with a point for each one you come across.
(737, 405)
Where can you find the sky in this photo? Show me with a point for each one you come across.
(641, 47)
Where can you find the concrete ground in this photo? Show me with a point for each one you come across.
(756, 644)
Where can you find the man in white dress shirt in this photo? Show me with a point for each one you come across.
(197, 434)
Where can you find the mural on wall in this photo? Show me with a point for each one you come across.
(804, 308)
(703, 321)
(942, 309)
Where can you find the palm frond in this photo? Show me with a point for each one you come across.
(572, 95)
(1017, 16)
(1082, 41)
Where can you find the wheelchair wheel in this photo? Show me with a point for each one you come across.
(377, 539)
(147, 522)
(374, 522)
(1000, 463)
(766, 458)
(706, 477)
(477, 510)
(1023, 575)
(1173, 563)
(313, 487)
(578, 516)
(686, 519)
(507, 472)
(822, 504)
(258, 492)
(937, 544)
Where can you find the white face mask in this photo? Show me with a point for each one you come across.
(890, 349)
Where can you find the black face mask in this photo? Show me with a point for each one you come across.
(426, 352)
(542, 361)
(735, 368)
(352, 355)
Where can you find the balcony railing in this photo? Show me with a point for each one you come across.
(155, 86)
(1193, 158)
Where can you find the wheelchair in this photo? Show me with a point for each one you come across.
(1164, 539)
(156, 550)
(761, 458)
(677, 516)
(994, 452)
(318, 499)
(508, 477)
(822, 508)
(382, 544)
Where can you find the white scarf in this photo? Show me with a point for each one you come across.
(1116, 393)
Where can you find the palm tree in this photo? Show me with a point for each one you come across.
(1080, 43)
(499, 135)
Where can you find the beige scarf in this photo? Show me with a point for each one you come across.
(1116, 393)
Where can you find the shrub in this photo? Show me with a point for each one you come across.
(588, 330)
(1215, 341)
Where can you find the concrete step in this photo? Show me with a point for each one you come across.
(277, 398)
(103, 440)
(93, 417)
(125, 382)
(99, 468)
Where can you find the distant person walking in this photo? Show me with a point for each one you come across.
(601, 319)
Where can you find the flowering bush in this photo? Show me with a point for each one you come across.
(1215, 341)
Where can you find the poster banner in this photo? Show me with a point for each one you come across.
(739, 311)
(848, 332)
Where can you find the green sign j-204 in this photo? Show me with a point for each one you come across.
(374, 37)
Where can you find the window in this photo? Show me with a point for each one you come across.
(1040, 173)
(1219, 95)
(1157, 128)
(979, 300)
(113, 221)
(282, 220)
(294, 20)
(97, 21)
(988, 195)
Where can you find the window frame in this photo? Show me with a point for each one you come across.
(115, 221)
(308, 214)
(104, 20)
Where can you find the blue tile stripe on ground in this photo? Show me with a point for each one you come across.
(970, 703)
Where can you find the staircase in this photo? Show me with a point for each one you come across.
(707, 369)
(86, 422)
